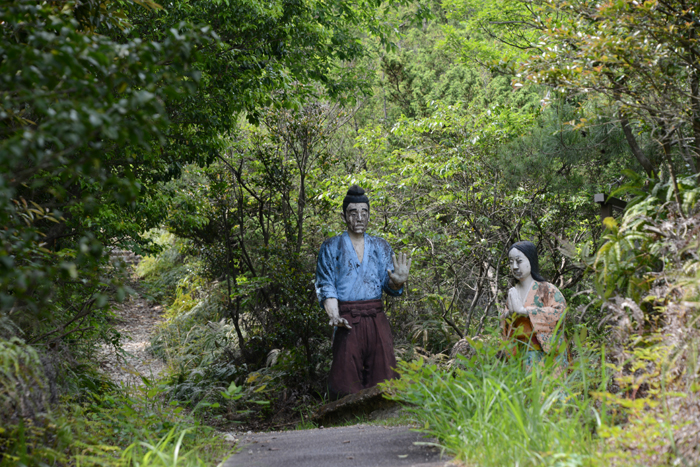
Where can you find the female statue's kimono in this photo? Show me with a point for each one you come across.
(534, 332)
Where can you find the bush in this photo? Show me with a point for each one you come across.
(495, 413)
(648, 276)
(161, 273)
(24, 392)
(111, 429)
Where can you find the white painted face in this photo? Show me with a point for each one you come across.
(519, 264)
(356, 217)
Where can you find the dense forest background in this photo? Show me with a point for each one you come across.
(217, 140)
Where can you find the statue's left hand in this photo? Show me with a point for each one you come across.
(402, 266)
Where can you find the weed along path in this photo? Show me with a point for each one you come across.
(352, 446)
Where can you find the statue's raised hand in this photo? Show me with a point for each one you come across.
(402, 266)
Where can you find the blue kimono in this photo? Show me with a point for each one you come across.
(364, 355)
(340, 275)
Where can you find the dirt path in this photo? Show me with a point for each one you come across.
(137, 320)
(352, 446)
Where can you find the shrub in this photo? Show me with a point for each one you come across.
(495, 413)
(161, 273)
(647, 274)
(24, 392)
(111, 429)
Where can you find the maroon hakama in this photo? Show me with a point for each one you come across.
(364, 355)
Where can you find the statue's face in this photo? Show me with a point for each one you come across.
(356, 217)
(519, 264)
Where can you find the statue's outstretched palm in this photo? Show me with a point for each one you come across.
(402, 266)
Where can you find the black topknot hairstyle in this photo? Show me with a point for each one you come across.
(355, 195)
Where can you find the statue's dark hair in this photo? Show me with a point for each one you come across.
(355, 195)
(530, 251)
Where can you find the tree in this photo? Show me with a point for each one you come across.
(265, 50)
(103, 99)
(497, 35)
(82, 116)
(642, 56)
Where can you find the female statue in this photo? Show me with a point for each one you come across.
(534, 308)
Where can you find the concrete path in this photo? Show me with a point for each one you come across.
(351, 446)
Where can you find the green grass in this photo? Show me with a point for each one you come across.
(494, 413)
(162, 273)
(112, 429)
(168, 451)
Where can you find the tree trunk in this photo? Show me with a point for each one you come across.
(477, 295)
(695, 103)
(666, 145)
(627, 130)
(301, 204)
(233, 311)
(636, 151)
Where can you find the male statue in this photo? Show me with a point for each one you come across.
(352, 270)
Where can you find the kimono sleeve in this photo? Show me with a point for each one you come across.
(325, 273)
(387, 253)
(547, 312)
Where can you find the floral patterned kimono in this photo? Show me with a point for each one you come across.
(534, 332)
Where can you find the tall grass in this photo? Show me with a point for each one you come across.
(492, 412)
(166, 452)
(114, 429)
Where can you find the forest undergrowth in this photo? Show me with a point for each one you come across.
(116, 417)
(205, 364)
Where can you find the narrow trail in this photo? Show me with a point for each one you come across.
(137, 320)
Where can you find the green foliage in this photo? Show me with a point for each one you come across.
(254, 219)
(237, 134)
(103, 99)
(80, 116)
(197, 342)
(167, 452)
(496, 413)
(162, 273)
(201, 350)
(457, 189)
(110, 428)
(428, 67)
(645, 243)
(641, 56)
(205, 360)
(646, 274)
(649, 412)
(262, 53)
(23, 387)
(493, 34)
